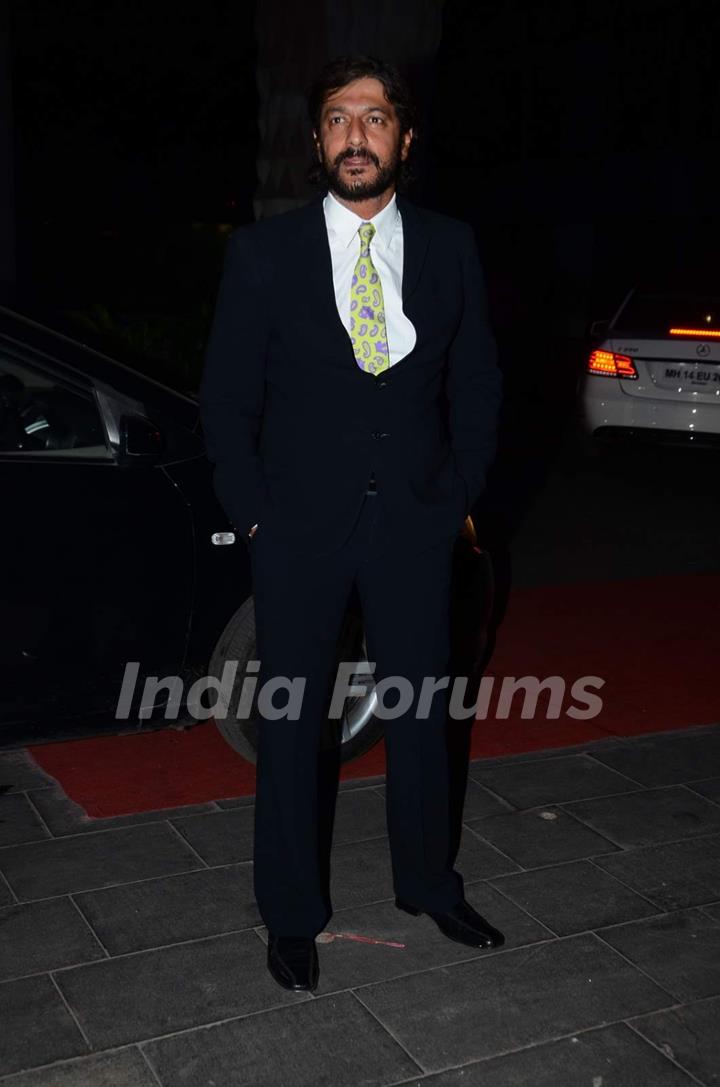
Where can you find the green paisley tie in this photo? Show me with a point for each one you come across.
(367, 310)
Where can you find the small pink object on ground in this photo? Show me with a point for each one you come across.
(328, 937)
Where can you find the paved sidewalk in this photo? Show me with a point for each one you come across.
(132, 955)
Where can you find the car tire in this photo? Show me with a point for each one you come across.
(355, 731)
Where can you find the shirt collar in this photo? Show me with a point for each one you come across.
(344, 223)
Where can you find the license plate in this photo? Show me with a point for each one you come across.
(669, 376)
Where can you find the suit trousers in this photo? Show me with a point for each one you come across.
(300, 604)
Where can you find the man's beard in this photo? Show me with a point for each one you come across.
(357, 189)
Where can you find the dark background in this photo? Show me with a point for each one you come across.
(135, 127)
(579, 138)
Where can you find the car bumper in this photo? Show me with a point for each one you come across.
(606, 412)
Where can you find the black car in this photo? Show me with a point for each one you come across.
(122, 580)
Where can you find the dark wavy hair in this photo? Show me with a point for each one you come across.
(344, 70)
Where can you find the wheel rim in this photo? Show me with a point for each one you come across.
(358, 710)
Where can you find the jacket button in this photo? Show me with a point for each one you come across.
(381, 384)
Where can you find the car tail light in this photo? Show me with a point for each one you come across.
(701, 333)
(609, 364)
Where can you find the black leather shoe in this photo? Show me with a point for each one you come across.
(293, 962)
(461, 923)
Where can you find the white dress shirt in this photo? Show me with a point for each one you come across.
(386, 250)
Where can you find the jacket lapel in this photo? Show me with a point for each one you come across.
(318, 265)
(415, 243)
(317, 273)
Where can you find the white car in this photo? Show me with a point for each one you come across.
(654, 371)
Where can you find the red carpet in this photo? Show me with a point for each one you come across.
(654, 641)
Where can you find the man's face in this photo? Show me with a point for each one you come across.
(359, 143)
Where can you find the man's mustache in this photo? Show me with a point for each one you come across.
(364, 155)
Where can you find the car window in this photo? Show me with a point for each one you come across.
(657, 313)
(40, 416)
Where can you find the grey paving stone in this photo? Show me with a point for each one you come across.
(370, 879)
(681, 951)
(667, 760)
(156, 992)
(349, 784)
(612, 1056)
(346, 964)
(477, 859)
(64, 816)
(455, 1014)
(39, 936)
(360, 873)
(713, 910)
(544, 754)
(517, 926)
(653, 815)
(360, 814)
(331, 1040)
(58, 866)
(541, 836)
(19, 772)
(236, 802)
(573, 897)
(36, 1026)
(672, 876)
(225, 837)
(123, 1068)
(689, 1035)
(19, 822)
(709, 789)
(479, 801)
(552, 781)
(6, 897)
(163, 911)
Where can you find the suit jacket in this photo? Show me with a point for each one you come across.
(294, 426)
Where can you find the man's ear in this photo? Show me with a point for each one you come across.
(316, 141)
(407, 139)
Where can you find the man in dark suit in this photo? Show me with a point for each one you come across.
(349, 402)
